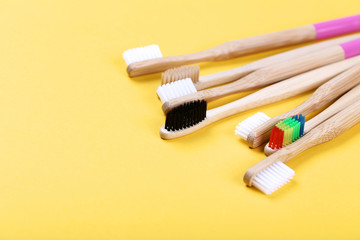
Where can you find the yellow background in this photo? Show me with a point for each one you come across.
(81, 157)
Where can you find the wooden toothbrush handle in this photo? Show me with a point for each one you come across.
(326, 131)
(277, 72)
(239, 72)
(293, 67)
(227, 76)
(227, 50)
(343, 102)
(210, 94)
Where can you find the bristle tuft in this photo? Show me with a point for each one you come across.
(186, 115)
(245, 127)
(287, 131)
(141, 54)
(175, 74)
(175, 89)
(273, 177)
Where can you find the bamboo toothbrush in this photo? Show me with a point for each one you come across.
(271, 74)
(322, 96)
(145, 60)
(344, 101)
(175, 82)
(180, 122)
(271, 173)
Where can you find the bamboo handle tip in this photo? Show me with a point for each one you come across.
(268, 150)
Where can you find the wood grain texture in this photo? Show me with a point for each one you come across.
(227, 50)
(274, 93)
(326, 131)
(322, 96)
(264, 76)
(343, 102)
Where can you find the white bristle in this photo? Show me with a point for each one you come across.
(142, 54)
(176, 89)
(245, 127)
(273, 177)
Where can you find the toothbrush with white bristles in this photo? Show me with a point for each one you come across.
(184, 80)
(272, 173)
(146, 60)
(343, 102)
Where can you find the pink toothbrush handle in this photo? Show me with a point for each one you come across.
(337, 27)
(351, 48)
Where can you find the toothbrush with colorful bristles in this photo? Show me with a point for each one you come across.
(191, 117)
(329, 91)
(287, 131)
(271, 74)
(284, 134)
(272, 173)
(184, 80)
(146, 60)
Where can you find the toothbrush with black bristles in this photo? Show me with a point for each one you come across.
(272, 74)
(286, 133)
(192, 117)
(272, 173)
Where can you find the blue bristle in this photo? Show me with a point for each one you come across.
(302, 120)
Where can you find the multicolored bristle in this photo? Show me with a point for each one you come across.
(186, 115)
(287, 131)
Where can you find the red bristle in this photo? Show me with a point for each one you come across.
(281, 139)
(272, 137)
(276, 141)
(278, 145)
(276, 138)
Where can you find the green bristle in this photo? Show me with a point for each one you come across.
(293, 127)
(289, 131)
(297, 131)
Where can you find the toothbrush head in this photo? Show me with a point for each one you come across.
(245, 127)
(141, 54)
(178, 82)
(175, 89)
(272, 177)
(182, 72)
(186, 115)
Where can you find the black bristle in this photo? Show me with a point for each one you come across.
(186, 115)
